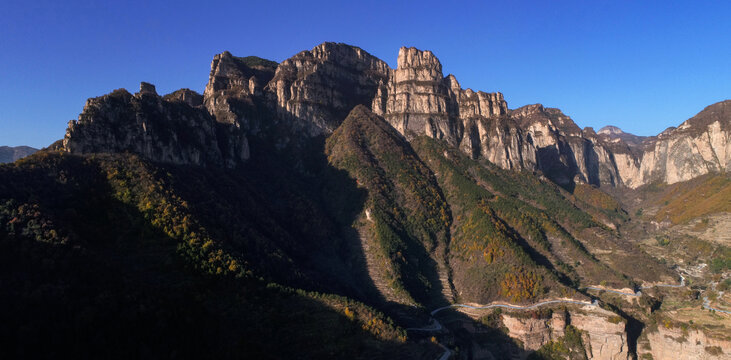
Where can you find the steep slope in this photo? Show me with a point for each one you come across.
(700, 145)
(405, 221)
(509, 224)
(10, 154)
(110, 256)
(317, 89)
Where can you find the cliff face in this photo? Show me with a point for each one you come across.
(602, 339)
(311, 93)
(316, 89)
(700, 145)
(691, 345)
(564, 152)
(418, 100)
(146, 124)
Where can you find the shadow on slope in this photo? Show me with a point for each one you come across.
(96, 265)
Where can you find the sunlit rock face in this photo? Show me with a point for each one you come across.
(312, 92)
(316, 89)
(418, 100)
(700, 145)
(146, 124)
(602, 338)
(692, 344)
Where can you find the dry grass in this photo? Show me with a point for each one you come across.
(693, 199)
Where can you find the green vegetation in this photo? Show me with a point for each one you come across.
(601, 201)
(410, 217)
(511, 233)
(722, 260)
(488, 257)
(662, 240)
(255, 61)
(113, 255)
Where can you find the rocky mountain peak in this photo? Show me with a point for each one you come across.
(715, 115)
(147, 88)
(610, 130)
(311, 93)
(187, 96)
(412, 57)
(316, 89)
(242, 75)
(157, 128)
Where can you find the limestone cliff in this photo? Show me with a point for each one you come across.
(316, 89)
(700, 145)
(145, 123)
(418, 100)
(312, 92)
(602, 337)
(691, 344)
(564, 152)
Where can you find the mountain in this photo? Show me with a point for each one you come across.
(332, 200)
(614, 133)
(314, 90)
(700, 145)
(10, 154)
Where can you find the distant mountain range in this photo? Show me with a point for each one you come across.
(10, 154)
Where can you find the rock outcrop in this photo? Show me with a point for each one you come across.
(418, 100)
(312, 92)
(534, 332)
(146, 124)
(665, 344)
(602, 338)
(316, 89)
(700, 145)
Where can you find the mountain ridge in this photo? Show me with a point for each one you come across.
(315, 90)
(12, 153)
(301, 199)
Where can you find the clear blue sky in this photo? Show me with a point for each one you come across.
(640, 65)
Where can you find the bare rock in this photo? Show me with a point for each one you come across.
(690, 344)
(148, 125)
(316, 89)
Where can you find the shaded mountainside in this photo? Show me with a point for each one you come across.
(328, 200)
(103, 254)
(9, 154)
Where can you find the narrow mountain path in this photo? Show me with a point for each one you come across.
(707, 305)
(639, 292)
(435, 325)
(706, 302)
